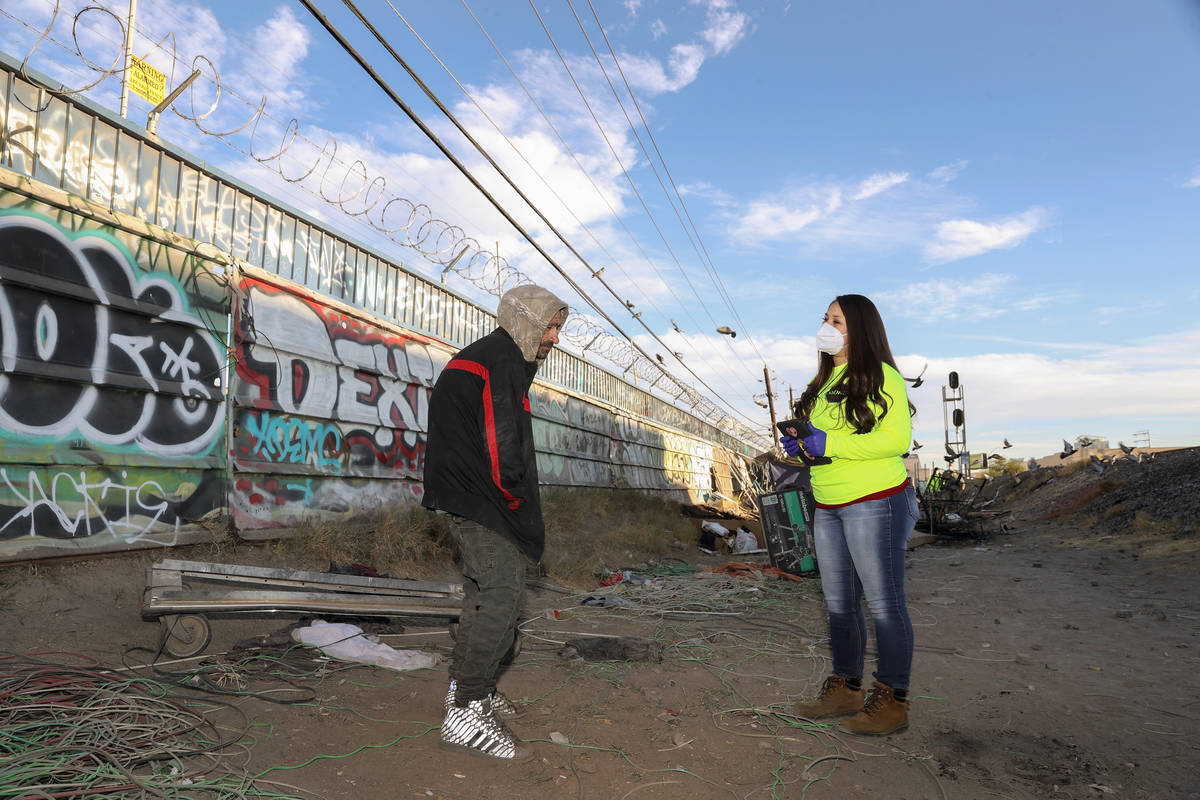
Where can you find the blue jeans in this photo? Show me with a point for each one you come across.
(860, 550)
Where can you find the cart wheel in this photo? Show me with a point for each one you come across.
(185, 635)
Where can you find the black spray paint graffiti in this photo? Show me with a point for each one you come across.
(74, 502)
(89, 348)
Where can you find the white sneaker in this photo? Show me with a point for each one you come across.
(474, 729)
(501, 705)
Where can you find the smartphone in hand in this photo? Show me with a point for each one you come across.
(798, 429)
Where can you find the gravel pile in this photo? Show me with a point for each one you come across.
(1164, 490)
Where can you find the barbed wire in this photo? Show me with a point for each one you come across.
(349, 185)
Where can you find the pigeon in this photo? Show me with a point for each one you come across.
(1126, 449)
(949, 459)
(1007, 444)
(678, 356)
(1084, 441)
(1068, 448)
(950, 452)
(675, 325)
(725, 330)
(917, 445)
(661, 360)
(917, 381)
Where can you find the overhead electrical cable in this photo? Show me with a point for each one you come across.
(362, 62)
(470, 96)
(712, 267)
(606, 343)
(620, 163)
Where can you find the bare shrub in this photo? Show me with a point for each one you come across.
(588, 530)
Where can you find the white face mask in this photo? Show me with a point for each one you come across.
(830, 340)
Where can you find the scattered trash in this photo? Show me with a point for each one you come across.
(744, 569)
(629, 578)
(559, 738)
(745, 541)
(607, 601)
(347, 642)
(612, 648)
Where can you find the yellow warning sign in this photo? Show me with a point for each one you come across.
(146, 81)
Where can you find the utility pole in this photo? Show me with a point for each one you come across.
(770, 401)
(791, 403)
(128, 58)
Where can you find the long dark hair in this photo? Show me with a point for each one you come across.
(862, 381)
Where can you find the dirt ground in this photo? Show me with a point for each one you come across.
(1050, 663)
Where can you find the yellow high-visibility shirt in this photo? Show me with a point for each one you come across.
(863, 463)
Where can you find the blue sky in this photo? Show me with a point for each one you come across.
(1016, 185)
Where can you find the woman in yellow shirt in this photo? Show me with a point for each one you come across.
(860, 418)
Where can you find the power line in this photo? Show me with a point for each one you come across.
(333, 31)
(621, 164)
(543, 179)
(713, 270)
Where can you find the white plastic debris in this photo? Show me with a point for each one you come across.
(347, 642)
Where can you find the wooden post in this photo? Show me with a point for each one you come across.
(770, 404)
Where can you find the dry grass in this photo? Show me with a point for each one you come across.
(1071, 467)
(407, 542)
(1145, 524)
(589, 530)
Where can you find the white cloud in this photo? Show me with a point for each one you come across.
(282, 43)
(949, 299)
(835, 212)
(1037, 400)
(725, 27)
(961, 238)
(658, 29)
(772, 220)
(879, 183)
(632, 7)
(978, 298)
(1194, 183)
(948, 172)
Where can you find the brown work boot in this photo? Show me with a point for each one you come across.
(882, 714)
(835, 700)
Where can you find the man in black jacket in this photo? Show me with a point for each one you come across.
(481, 469)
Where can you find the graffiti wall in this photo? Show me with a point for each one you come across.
(112, 383)
(330, 406)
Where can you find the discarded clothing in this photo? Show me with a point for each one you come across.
(348, 643)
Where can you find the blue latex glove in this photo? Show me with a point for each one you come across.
(814, 443)
(791, 445)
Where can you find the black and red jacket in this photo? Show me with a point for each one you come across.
(479, 457)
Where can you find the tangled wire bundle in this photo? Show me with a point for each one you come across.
(84, 731)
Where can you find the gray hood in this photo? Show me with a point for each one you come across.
(525, 312)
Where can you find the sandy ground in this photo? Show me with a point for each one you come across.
(1049, 664)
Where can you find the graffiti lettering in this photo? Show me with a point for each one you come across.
(70, 505)
(92, 332)
(282, 439)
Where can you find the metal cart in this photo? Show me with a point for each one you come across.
(181, 595)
